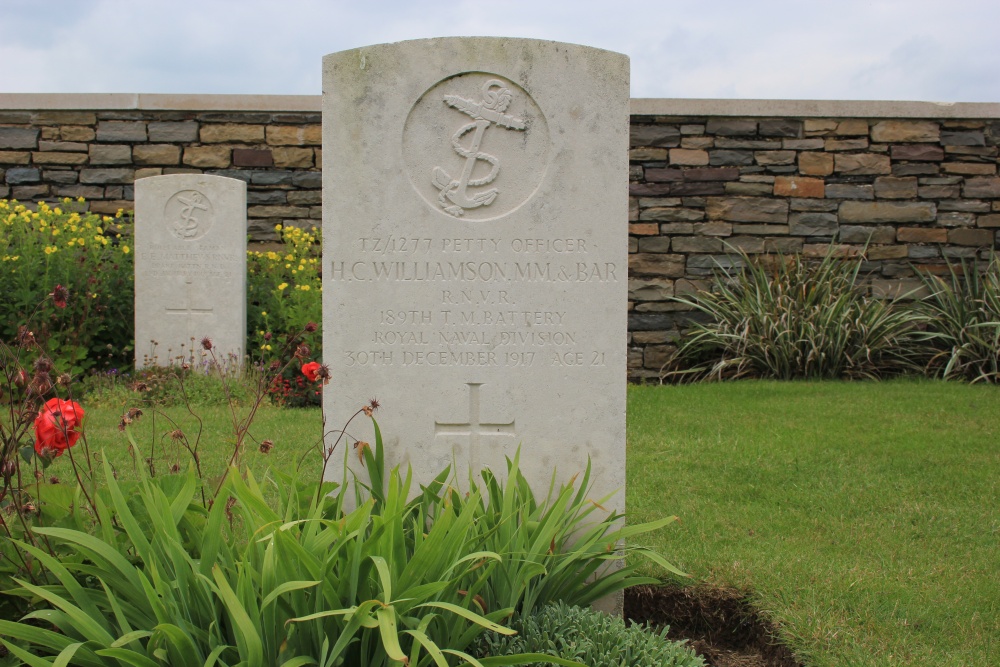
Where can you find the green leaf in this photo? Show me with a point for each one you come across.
(27, 452)
(285, 588)
(178, 643)
(26, 658)
(128, 657)
(247, 637)
(469, 615)
(387, 630)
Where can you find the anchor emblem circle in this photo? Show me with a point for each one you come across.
(476, 146)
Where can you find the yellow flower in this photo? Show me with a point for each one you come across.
(304, 288)
(125, 249)
(263, 313)
(79, 199)
(277, 227)
(49, 249)
(282, 286)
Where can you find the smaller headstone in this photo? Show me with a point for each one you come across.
(190, 268)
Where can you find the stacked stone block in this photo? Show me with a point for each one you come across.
(48, 155)
(907, 195)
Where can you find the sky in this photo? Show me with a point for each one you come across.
(926, 50)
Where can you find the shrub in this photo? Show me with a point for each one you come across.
(963, 322)
(284, 290)
(791, 318)
(165, 578)
(88, 255)
(590, 637)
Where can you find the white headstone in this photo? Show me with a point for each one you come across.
(475, 253)
(190, 268)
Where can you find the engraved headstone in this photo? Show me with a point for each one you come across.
(475, 254)
(190, 268)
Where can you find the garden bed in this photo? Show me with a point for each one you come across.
(720, 623)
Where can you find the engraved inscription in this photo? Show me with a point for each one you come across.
(189, 215)
(474, 427)
(466, 324)
(484, 114)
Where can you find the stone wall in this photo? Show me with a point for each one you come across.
(909, 185)
(96, 146)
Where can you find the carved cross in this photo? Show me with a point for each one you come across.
(188, 310)
(474, 427)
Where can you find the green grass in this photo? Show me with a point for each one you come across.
(292, 432)
(863, 518)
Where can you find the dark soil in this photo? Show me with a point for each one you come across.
(720, 624)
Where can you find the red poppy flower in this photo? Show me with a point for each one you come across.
(55, 426)
(311, 370)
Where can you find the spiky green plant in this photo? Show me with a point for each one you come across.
(791, 318)
(963, 322)
(405, 578)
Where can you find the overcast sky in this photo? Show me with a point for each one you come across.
(932, 50)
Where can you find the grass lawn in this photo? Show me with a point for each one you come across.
(291, 431)
(863, 518)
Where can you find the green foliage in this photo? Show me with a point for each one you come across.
(88, 254)
(590, 637)
(963, 322)
(168, 386)
(161, 579)
(795, 319)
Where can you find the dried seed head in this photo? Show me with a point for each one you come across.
(268, 336)
(372, 406)
(53, 480)
(175, 468)
(43, 364)
(134, 413)
(323, 374)
(359, 447)
(177, 434)
(311, 327)
(206, 343)
(140, 386)
(64, 380)
(25, 336)
(302, 351)
(266, 446)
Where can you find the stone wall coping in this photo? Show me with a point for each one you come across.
(813, 108)
(158, 102)
(639, 106)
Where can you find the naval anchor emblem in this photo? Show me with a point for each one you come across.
(189, 214)
(455, 197)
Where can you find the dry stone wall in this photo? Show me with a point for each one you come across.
(47, 154)
(907, 185)
(906, 194)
